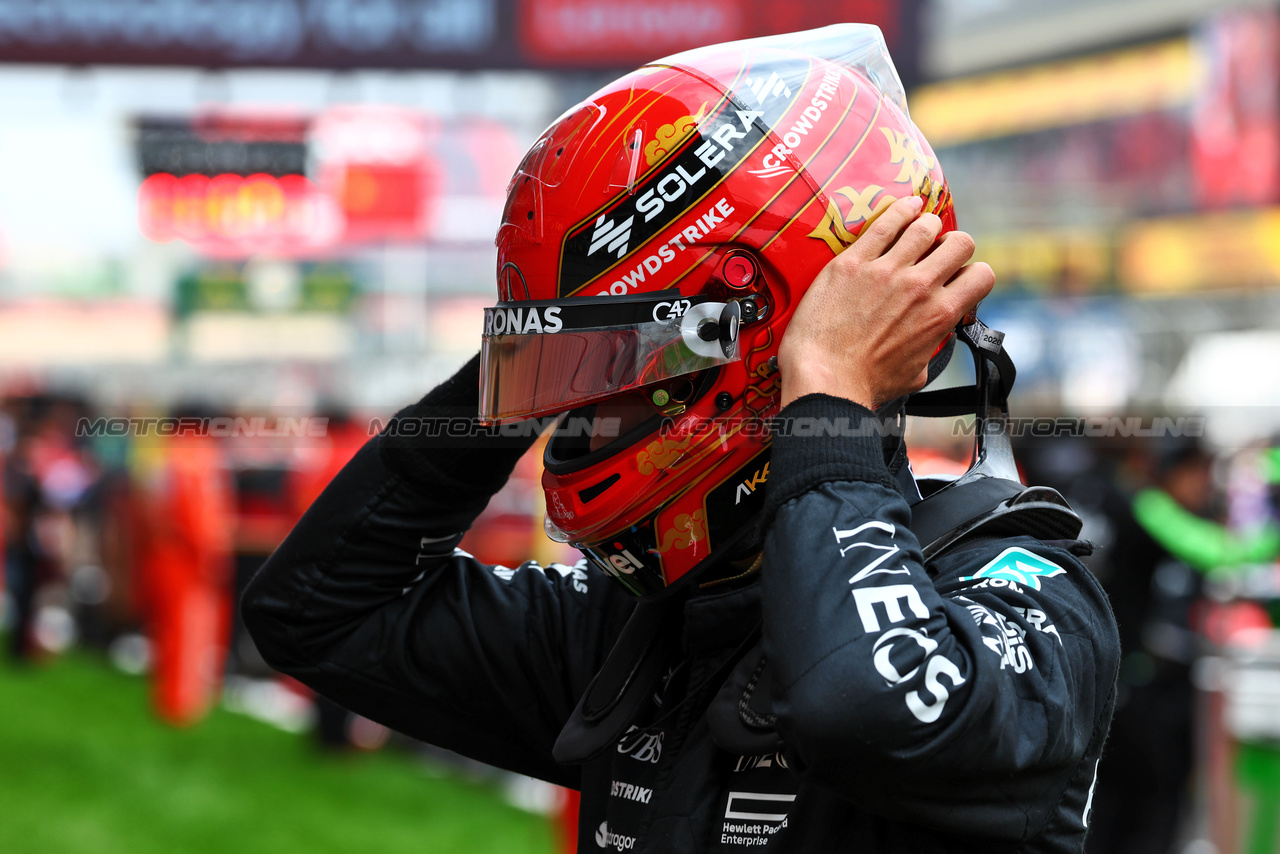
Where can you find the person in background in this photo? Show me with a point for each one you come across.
(1164, 541)
(22, 555)
(187, 572)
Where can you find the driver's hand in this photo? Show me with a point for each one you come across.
(866, 328)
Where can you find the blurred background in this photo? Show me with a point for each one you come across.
(279, 214)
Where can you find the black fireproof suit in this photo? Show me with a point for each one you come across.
(955, 706)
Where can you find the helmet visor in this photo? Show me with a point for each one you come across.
(539, 358)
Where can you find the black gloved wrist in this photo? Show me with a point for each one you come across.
(820, 438)
(438, 442)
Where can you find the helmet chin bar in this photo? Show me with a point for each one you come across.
(989, 499)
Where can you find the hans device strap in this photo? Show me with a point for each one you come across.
(614, 697)
(992, 507)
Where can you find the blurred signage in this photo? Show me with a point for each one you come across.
(626, 33)
(231, 184)
(263, 286)
(58, 332)
(231, 33)
(1227, 250)
(605, 34)
(237, 215)
(378, 165)
(216, 143)
(382, 198)
(234, 185)
(595, 31)
(1062, 262)
(1053, 95)
(265, 309)
(248, 338)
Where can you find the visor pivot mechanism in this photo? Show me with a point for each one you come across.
(723, 329)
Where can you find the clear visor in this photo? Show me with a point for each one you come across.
(539, 358)
(858, 47)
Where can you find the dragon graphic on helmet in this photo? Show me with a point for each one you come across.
(654, 245)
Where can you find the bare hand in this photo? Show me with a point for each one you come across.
(866, 328)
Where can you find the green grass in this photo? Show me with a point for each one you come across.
(86, 769)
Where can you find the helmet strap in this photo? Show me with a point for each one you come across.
(988, 499)
(987, 398)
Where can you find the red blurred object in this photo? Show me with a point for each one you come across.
(382, 199)
(1241, 624)
(185, 550)
(1236, 121)
(376, 163)
(234, 215)
(566, 822)
(509, 531)
(322, 463)
(928, 461)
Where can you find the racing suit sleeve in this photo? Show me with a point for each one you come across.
(972, 695)
(369, 602)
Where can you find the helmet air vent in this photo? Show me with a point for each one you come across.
(591, 493)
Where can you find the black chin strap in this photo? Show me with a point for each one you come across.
(989, 499)
(995, 377)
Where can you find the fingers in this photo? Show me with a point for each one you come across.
(952, 252)
(876, 238)
(915, 241)
(963, 287)
(969, 288)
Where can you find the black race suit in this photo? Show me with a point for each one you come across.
(919, 708)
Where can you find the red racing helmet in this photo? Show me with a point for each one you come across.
(655, 242)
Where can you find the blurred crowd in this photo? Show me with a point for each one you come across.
(134, 536)
(135, 542)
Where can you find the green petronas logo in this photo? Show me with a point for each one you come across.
(1019, 566)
